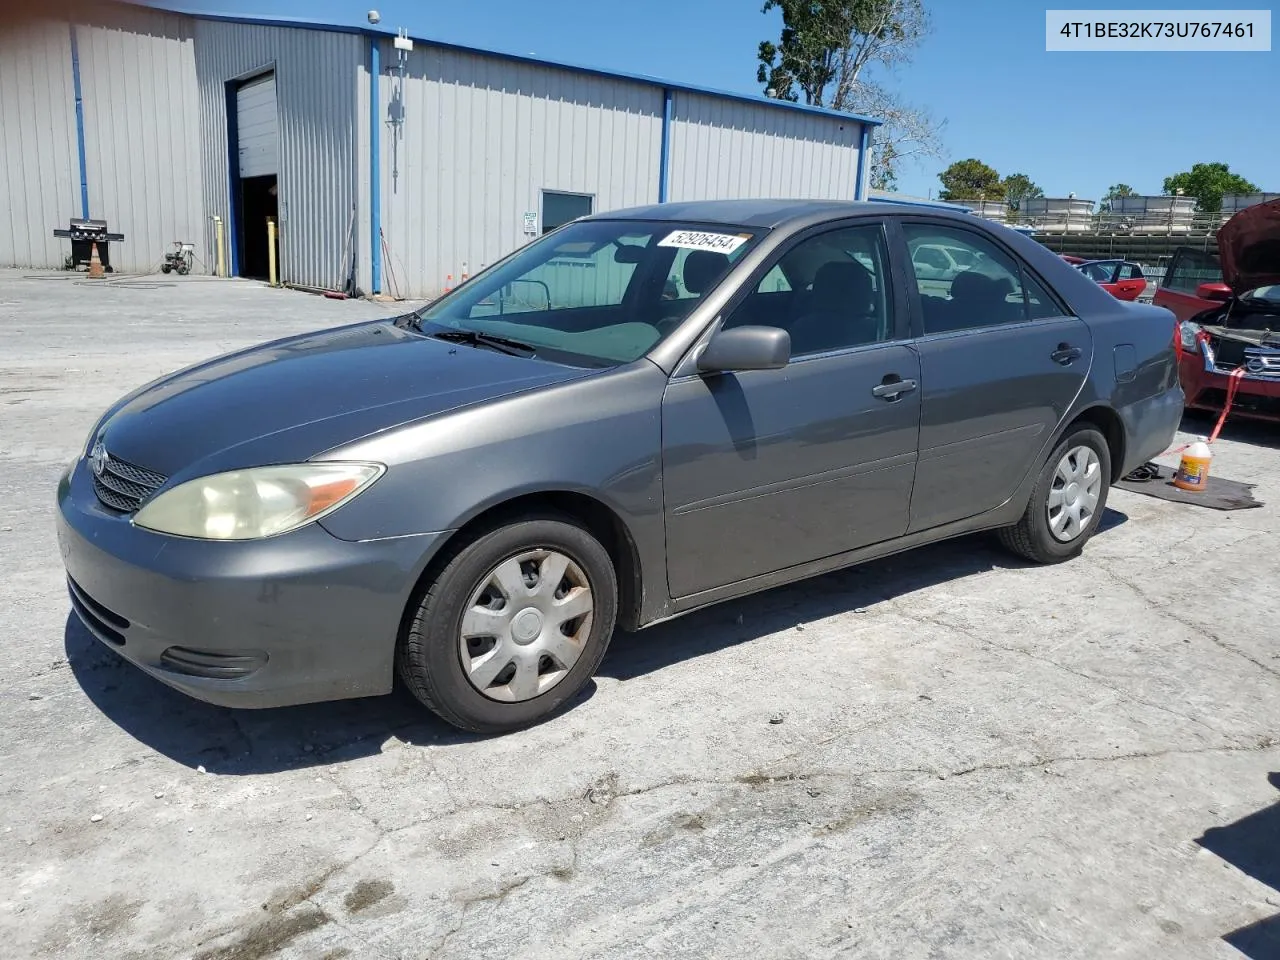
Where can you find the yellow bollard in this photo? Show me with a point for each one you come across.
(221, 268)
(271, 251)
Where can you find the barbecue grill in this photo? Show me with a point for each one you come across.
(83, 234)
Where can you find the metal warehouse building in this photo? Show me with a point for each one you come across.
(176, 127)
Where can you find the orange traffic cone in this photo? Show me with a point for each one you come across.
(95, 265)
(448, 283)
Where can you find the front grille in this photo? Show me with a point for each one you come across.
(105, 623)
(123, 486)
(214, 666)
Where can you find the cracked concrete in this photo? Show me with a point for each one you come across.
(975, 759)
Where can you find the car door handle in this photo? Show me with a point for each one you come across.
(892, 387)
(1065, 354)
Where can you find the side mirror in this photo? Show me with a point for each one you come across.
(746, 348)
(1219, 292)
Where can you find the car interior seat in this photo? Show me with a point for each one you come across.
(838, 311)
(978, 299)
(702, 268)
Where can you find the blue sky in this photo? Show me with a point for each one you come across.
(1074, 122)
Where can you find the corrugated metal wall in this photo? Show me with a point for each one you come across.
(39, 172)
(316, 86)
(727, 148)
(137, 79)
(481, 138)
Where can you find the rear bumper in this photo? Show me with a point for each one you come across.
(1150, 425)
(298, 618)
(1257, 397)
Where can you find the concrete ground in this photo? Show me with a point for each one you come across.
(946, 754)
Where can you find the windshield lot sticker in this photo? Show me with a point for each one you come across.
(698, 240)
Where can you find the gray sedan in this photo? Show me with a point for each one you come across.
(639, 414)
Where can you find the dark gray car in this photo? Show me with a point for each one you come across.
(639, 414)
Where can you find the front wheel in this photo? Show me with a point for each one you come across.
(514, 625)
(1067, 503)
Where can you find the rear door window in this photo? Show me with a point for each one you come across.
(996, 289)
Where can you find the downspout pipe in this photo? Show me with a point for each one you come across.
(75, 81)
(864, 147)
(664, 161)
(375, 185)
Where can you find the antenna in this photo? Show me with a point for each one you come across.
(395, 115)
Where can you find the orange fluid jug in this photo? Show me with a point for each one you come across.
(1193, 471)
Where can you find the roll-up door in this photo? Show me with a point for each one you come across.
(257, 127)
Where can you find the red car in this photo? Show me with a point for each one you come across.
(1229, 315)
(1123, 279)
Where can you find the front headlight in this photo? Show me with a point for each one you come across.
(260, 502)
(1190, 334)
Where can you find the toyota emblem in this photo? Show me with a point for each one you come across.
(98, 459)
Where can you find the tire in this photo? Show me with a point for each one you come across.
(1032, 536)
(430, 655)
(183, 269)
(165, 268)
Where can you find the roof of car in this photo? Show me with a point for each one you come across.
(768, 213)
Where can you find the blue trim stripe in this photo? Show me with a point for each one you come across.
(84, 167)
(860, 188)
(308, 24)
(375, 182)
(664, 159)
(914, 202)
(232, 235)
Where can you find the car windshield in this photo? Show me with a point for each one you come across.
(594, 293)
(1270, 293)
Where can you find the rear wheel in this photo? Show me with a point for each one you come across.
(1067, 503)
(515, 624)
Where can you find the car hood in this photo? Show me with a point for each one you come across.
(292, 399)
(1249, 247)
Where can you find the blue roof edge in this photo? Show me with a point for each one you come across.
(913, 202)
(304, 23)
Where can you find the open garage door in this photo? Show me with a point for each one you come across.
(258, 154)
(258, 127)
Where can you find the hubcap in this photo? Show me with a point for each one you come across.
(525, 625)
(1074, 494)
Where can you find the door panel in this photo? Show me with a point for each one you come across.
(1000, 365)
(991, 397)
(770, 468)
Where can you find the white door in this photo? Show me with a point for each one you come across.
(257, 127)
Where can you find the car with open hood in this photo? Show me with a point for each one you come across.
(636, 415)
(1228, 307)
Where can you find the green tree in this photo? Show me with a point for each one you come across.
(820, 58)
(1115, 192)
(1207, 182)
(1019, 187)
(971, 180)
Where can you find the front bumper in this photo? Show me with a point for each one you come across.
(297, 618)
(1257, 396)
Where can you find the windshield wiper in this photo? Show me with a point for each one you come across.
(505, 345)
